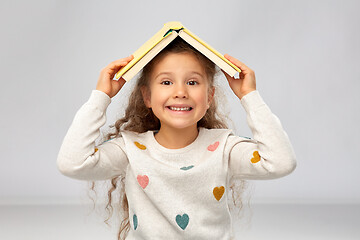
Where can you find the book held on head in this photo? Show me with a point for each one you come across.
(161, 39)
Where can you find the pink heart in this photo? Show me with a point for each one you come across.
(213, 147)
(143, 180)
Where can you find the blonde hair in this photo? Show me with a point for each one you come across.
(139, 118)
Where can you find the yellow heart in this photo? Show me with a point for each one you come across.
(142, 147)
(256, 157)
(218, 192)
(96, 149)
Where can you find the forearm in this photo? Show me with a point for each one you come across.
(78, 157)
(269, 154)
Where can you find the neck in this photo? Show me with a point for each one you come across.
(176, 138)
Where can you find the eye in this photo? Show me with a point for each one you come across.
(166, 82)
(192, 82)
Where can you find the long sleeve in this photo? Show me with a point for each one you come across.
(269, 154)
(78, 158)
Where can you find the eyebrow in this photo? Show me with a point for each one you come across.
(169, 73)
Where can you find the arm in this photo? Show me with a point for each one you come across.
(270, 154)
(78, 158)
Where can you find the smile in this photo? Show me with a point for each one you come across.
(180, 108)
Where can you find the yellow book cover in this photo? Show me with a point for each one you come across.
(211, 49)
(158, 37)
(147, 46)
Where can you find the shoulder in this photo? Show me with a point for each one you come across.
(125, 136)
(215, 131)
(234, 140)
(226, 133)
(132, 134)
(131, 138)
(217, 136)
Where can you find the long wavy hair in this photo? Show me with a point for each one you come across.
(139, 118)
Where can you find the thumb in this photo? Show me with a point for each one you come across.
(121, 82)
(117, 85)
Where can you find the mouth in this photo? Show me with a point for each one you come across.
(180, 109)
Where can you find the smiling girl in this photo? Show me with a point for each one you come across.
(173, 151)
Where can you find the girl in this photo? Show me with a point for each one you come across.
(172, 149)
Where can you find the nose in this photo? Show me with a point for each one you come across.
(180, 91)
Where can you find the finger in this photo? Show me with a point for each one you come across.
(122, 60)
(238, 63)
(121, 82)
(128, 58)
(118, 84)
(234, 60)
(116, 65)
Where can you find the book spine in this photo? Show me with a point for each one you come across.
(209, 54)
(211, 49)
(144, 49)
(127, 76)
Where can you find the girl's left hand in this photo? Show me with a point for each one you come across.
(246, 83)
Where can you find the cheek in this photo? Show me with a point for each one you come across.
(202, 98)
(158, 99)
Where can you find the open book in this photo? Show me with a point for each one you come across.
(161, 39)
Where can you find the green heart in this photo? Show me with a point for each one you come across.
(135, 221)
(245, 137)
(187, 168)
(182, 221)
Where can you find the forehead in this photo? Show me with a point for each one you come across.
(178, 63)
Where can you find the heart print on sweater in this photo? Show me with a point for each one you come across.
(143, 180)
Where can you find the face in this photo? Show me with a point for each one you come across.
(179, 91)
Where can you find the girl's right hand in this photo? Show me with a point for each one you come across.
(106, 83)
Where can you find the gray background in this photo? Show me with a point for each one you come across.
(305, 55)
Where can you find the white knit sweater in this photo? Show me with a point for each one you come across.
(177, 193)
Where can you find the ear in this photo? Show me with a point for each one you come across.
(211, 96)
(146, 96)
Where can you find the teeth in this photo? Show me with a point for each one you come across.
(180, 108)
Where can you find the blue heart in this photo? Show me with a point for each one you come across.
(187, 168)
(245, 137)
(182, 221)
(135, 221)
